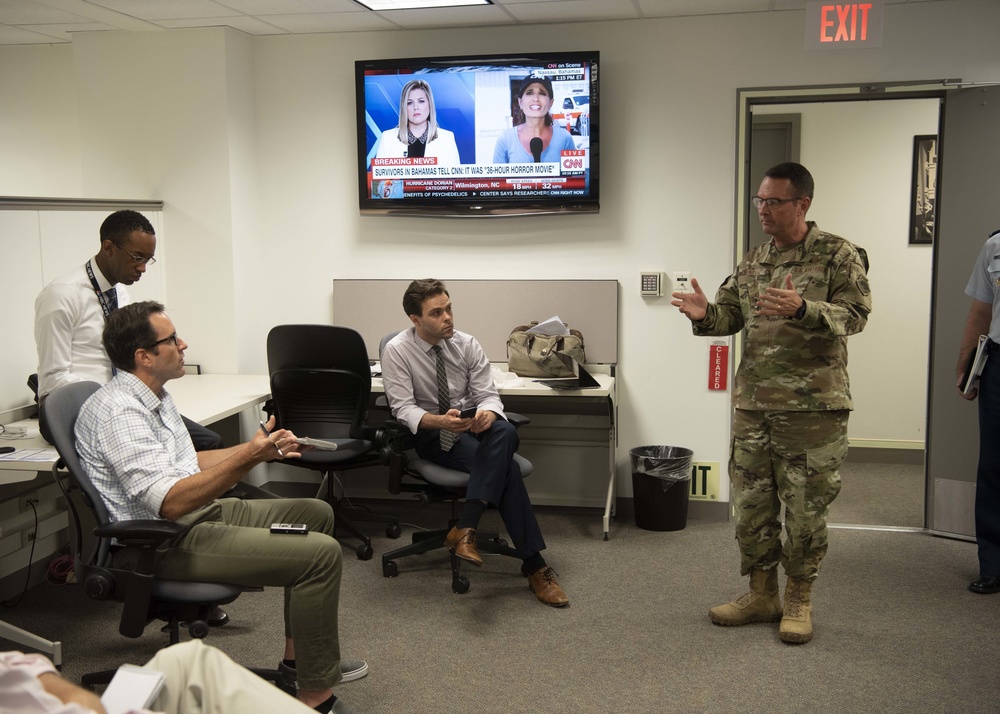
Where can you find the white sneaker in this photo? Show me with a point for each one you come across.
(350, 669)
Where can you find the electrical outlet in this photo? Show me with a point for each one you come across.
(27, 538)
(25, 500)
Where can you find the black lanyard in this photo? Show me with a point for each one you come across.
(105, 308)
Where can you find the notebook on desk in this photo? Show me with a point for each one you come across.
(582, 379)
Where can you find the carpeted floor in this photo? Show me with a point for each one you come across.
(896, 630)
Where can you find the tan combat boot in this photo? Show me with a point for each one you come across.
(761, 604)
(796, 624)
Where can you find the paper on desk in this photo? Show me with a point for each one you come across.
(505, 380)
(552, 326)
(30, 455)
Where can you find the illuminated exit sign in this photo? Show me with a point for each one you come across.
(832, 25)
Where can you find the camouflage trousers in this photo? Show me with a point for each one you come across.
(792, 459)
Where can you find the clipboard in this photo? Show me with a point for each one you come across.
(974, 368)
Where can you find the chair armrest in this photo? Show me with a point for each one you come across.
(518, 420)
(140, 533)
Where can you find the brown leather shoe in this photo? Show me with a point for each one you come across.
(462, 542)
(543, 583)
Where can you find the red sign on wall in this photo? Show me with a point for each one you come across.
(833, 24)
(718, 366)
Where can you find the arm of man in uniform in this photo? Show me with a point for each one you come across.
(723, 317)
(977, 323)
(847, 303)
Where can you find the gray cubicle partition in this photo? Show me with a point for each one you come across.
(570, 441)
(489, 310)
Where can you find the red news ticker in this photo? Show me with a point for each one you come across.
(718, 367)
(494, 184)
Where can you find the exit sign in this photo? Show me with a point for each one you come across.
(832, 25)
(705, 477)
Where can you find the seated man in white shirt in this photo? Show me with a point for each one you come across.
(135, 450)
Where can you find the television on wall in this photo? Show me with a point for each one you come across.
(479, 135)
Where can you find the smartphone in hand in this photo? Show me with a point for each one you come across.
(468, 413)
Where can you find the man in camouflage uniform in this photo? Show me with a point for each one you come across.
(797, 298)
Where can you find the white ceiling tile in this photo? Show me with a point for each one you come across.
(26, 12)
(449, 17)
(575, 11)
(243, 23)
(331, 22)
(160, 10)
(291, 7)
(677, 8)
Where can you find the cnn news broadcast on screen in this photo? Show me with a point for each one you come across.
(477, 129)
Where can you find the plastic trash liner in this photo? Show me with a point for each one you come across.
(661, 484)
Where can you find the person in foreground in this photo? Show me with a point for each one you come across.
(536, 139)
(418, 135)
(984, 319)
(198, 679)
(134, 448)
(797, 298)
(431, 373)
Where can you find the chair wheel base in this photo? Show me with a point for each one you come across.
(393, 531)
(460, 585)
(390, 569)
(365, 552)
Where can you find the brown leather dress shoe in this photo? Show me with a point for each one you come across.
(462, 542)
(543, 583)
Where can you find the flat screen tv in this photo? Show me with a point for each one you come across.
(479, 135)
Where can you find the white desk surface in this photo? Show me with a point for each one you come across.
(528, 387)
(205, 398)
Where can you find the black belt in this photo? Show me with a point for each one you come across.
(991, 346)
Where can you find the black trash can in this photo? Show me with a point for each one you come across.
(661, 484)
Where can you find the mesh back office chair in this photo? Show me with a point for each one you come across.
(320, 386)
(432, 482)
(144, 596)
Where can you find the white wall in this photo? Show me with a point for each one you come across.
(861, 154)
(248, 252)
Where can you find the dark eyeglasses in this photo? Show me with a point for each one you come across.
(757, 201)
(171, 339)
(135, 258)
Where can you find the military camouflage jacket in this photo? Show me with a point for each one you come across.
(789, 364)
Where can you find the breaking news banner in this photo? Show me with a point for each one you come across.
(424, 177)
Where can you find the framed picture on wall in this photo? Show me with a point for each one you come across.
(923, 202)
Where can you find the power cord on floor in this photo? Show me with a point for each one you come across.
(60, 570)
(31, 555)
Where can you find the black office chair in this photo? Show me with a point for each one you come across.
(320, 386)
(432, 483)
(144, 596)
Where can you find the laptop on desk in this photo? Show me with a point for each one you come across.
(582, 379)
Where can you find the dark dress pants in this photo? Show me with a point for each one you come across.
(494, 477)
(988, 473)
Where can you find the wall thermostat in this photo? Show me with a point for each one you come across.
(651, 284)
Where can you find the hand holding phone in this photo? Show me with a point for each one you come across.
(468, 413)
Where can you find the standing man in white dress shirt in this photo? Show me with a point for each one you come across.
(71, 310)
